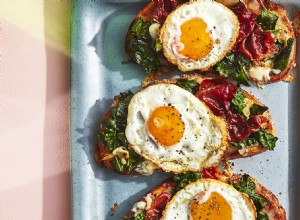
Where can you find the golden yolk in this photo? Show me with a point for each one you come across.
(215, 208)
(195, 38)
(165, 125)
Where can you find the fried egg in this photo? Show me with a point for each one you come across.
(198, 34)
(174, 129)
(212, 200)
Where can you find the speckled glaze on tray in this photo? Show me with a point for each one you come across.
(97, 74)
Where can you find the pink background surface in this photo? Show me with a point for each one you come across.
(35, 110)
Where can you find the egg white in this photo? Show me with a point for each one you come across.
(241, 205)
(205, 136)
(222, 24)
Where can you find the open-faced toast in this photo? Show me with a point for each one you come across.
(264, 51)
(249, 126)
(154, 204)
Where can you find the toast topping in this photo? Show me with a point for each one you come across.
(227, 100)
(264, 32)
(253, 40)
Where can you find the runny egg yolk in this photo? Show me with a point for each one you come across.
(165, 125)
(196, 39)
(214, 208)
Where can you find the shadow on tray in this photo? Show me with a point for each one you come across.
(109, 42)
(89, 141)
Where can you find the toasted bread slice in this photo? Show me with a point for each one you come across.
(164, 192)
(103, 156)
(260, 72)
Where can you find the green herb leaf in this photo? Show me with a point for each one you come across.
(266, 139)
(246, 185)
(257, 109)
(279, 44)
(140, 216)
(234, 65)
(238, 101)
(276, 31)
(143, 47)
(113, 135)
(267, 20)
(158, 46)
(184, 179)
(262, 216)
(248, 142)
(261, 137)
(282, 59)
(189, 85)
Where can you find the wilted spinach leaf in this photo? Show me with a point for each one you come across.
(234, 65)
(266, 139)
(238, 101)
(184, 179)
(267, 20)
(257, 109)
(189, 85)
(113, 135)
(246, 185)
(282, 59)
(143, 47)
(248, 142)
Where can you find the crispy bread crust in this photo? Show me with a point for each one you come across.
(229, 154)
(166, 67)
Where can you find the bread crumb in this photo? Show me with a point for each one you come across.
(114, 208)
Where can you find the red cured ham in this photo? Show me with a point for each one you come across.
(217, 95)
(158, 205)
(239, 129)
(246, 19)
(164, 7)
(211, 173)
(252, 41)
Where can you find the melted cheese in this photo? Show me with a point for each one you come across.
(153, 29)
(122, 153)
(148, 199)
(248, 103)
(142, 205)
(138, 207)
(259, 73)
(283, 34)
(146, 168)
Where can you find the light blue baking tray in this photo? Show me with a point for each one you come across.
(97, 74)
